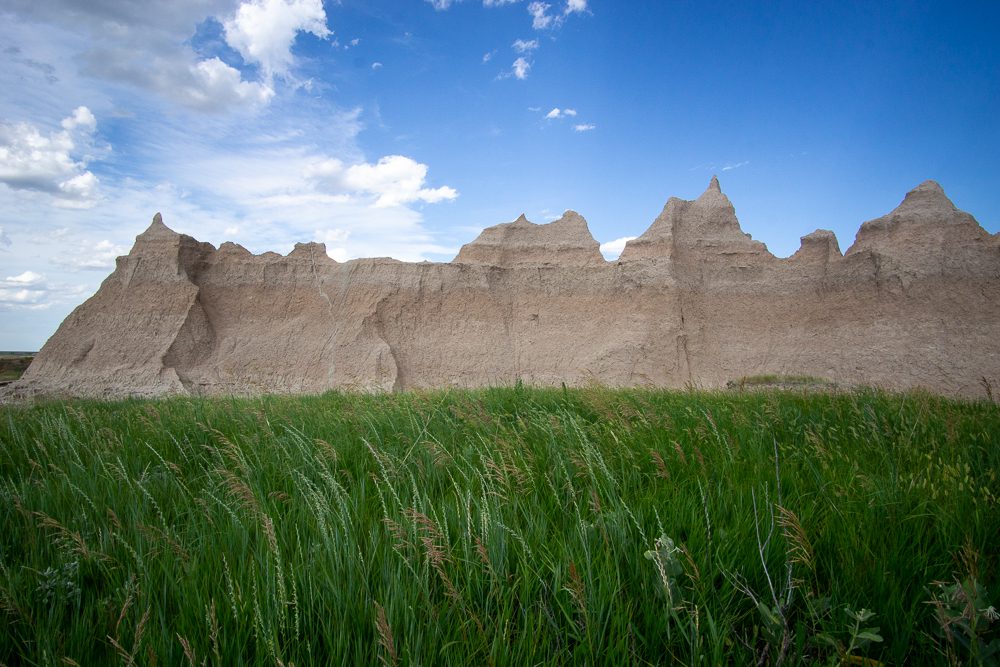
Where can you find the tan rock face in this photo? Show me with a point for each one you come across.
(566, 242)
(915, 302)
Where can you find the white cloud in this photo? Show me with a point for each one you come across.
(488, 56)
(263, 31)
(141, 45)
(377, 65)
(584, 127)
(525, 46)
(440, 5)
(55, 164)
(215, 84)
(205, 85)
(498, 3)
(560, 113)
(612, 249)
(82, 117)
(737, 165)
(540, 18)
(394, 180)
(26, 279)
(25, 291)
(31, 291)
(14, 297)
(520, 69)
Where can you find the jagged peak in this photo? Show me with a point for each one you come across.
(925, 221)
(713, 196)
(566, 240)
(571, 218)
(820, 235)
(233, 248)
(929, 185)
(929, 195)
(157, 230)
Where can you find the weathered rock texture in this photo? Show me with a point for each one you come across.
(915, 302)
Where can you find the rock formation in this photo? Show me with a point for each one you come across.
(914, 302)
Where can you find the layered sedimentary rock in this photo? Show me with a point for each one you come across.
(914, 302)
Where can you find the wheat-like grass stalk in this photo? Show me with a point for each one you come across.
(188, 651)
(799, 549)
(388, 657)
(661, 466)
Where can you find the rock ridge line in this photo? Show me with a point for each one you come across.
(913, 302)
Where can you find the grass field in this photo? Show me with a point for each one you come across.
(506, 526)
(13, 365)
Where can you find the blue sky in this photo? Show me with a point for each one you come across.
(402, 128)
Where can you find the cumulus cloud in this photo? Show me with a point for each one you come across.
(584, 127)
(26, 290)
(55, 164)
(394, 180)
(32, 291)
(520, 69)
(144, 45)
(557, 113)
(263, 31)
(540, 18)
(26, 279)
(204, 85)
(612, 249)
(214, 85)
(525, 46)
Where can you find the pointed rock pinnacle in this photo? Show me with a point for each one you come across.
(157, 229)
(930, 186)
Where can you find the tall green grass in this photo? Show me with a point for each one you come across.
(507, 526)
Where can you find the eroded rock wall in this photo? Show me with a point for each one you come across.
(915, 302)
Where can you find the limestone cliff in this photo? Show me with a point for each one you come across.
(914, 302)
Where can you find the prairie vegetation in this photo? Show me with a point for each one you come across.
(13, 365)
(506, 526)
